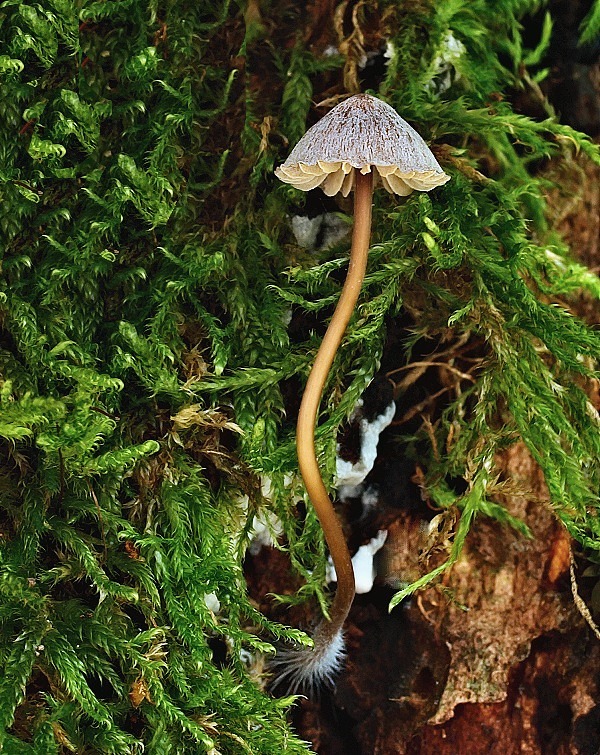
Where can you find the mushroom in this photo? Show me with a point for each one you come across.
(359, 142)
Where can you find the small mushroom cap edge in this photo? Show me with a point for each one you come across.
(362, 133)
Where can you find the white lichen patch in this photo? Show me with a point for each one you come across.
(330, 51)
(370, 499)
(363, 564)
(212, 602)
(351, 474)
(266, 526)
(443, 70)
(330, 227)
(335, 228)
(306, 230)
(266, 529)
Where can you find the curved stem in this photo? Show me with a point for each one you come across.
(307, 418)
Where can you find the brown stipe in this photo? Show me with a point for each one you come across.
(358, 143)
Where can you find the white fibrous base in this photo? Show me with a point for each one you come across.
(302, 670)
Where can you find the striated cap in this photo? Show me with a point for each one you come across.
(362, 133)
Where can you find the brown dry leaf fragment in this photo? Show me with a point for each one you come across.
(61, 737)
(560, 556)
(352, 46)
(209, 726)
(139, 692)
(438, 536)
(399, 562)
(253, 19)
(194, 366)
(265, 130)
(131, 550)
(414, 546)
(195, 415)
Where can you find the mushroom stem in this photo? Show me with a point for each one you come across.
(307, 418)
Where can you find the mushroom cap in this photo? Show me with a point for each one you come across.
(362, 133)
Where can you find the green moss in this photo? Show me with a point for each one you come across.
(148, 271)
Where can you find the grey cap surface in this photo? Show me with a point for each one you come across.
(362, 133)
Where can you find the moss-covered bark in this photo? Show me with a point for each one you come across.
(159, 317)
